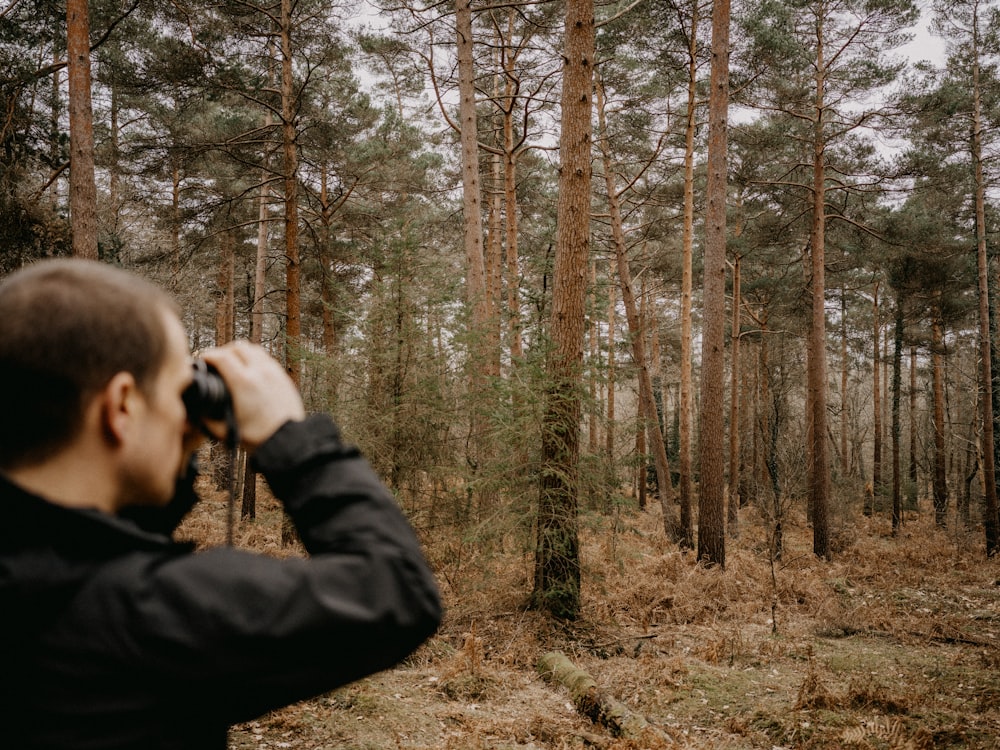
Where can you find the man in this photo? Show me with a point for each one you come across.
(111, 634)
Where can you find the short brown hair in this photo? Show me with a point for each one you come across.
(67, 327)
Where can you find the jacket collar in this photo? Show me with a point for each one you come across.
(31, 521)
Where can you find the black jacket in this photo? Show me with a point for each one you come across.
(113, 636)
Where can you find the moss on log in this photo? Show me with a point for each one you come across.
(593, 702)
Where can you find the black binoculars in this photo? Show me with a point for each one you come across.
(207, 396)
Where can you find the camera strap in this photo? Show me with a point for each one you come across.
(232, 443)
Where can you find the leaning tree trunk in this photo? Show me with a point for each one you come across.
(647, 399)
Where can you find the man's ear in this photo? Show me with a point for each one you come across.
(118, 402)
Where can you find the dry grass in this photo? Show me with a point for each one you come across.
(894, 644)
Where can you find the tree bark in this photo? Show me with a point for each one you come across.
(876, 406)
(820, 469)
(248, 506)
(609, 434)
(912, 485)
(557, 554)
(684, 466)
(711, 497)
(845, 411)
(733, 504)
(897, 385)
(991, 520)
(940, 481)
(82, 187)
(648, 416)
(293, 303)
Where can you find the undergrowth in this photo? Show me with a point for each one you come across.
(893, 644)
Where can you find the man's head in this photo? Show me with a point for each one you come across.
(67, 327)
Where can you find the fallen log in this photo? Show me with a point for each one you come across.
(594, 703)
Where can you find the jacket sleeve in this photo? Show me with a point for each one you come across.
(251, 633)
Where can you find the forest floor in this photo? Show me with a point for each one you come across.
(893, 644)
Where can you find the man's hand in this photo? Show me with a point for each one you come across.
(264, 396)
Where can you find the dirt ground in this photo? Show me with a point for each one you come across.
(894, 644)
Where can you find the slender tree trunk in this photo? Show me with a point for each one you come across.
(845, 411)
(510, 223)
(609, 435)
(494, 268)
(732, 509)
(222, 458)
(114, 169)
(55, 112)
(940, 481)
(684, 458)
(175, 216)
(647, 399)
(475, 258)
(82, 187)
(912, 486)
(876, 409)
(595, 366)
(293, 304)
(820, 468)
(991, 519)
(557, 556)
(248, 506)
(477, 275)
(711, 495)
(897, 385)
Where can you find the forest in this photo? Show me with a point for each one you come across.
(694, 288)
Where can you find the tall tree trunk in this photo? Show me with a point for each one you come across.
(510, 227)
(55, 112)
(175, 216)
(820, 468)
(222, 458)
(494, 268)
(940, 481)
(912, 466)
(876, 408)
(82, 187)
(733, 507)
(248, 506)
(711, 495)
(114, 170)
(684, 465)
(769, 428)
(991, 519)
(647, 399)
(476, 278)
(609, 434)
(293, 304)
(595, 366)
(557, 554)
(472, 220)
(845, 411)
(897, 385)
